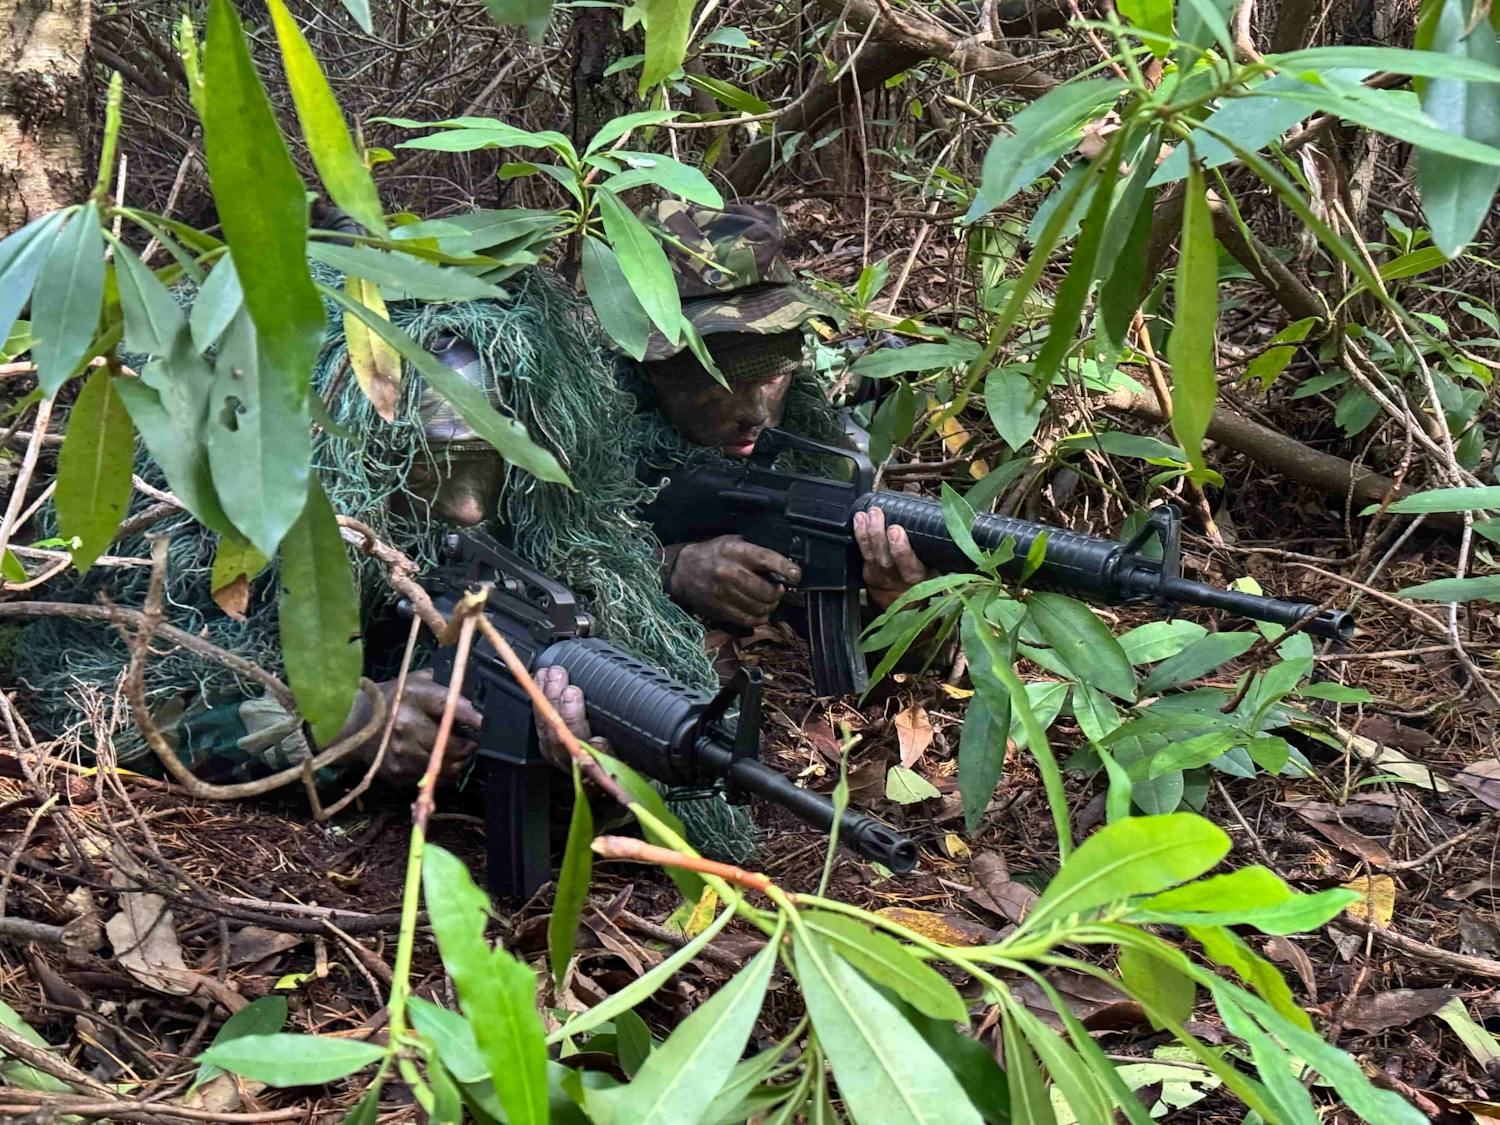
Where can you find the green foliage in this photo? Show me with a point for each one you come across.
(281, 1059)
(572, 882)
(93, 469)
(65, 303)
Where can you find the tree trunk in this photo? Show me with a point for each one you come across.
(43, 92)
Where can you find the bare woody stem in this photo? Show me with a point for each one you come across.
(638, 851)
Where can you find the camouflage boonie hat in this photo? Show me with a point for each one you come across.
(730, 272)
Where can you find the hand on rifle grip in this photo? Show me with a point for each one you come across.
(729, 580)
(569, 703)
(891, 566)
(415, 730)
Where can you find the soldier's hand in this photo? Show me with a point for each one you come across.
(416, 728)
(569, 703)
(728, 579)
(891, 566)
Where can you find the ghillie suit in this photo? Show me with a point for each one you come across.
(541, 362)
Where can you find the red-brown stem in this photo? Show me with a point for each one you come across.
(425, 799)
(627, 847)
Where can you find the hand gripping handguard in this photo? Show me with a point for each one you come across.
(654, 723)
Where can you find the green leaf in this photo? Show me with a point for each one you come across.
(19, 1073)
(893, 422)
(262, 206)
(65, 301)
(889, 963)
(1448, 500)
(283, 1059)
(339, 163)
(617, 127)
(530, 14)
(1335, 693)
(452, 1036)
(1190, 753)
(1154, 16)
(498, 991)
(1422, 64)
(93, 469)
(1418, 261)
(981, 760)
(1039, 132)
(152, 318)
(1158, 640)
(1199, 658)
(1251, 896)
(572, 882)
(958, 518)
(1280, 1070)
(1190, 347)
(1029, 1101)
(906, 787)
(1224, 947)
(1455, 590)
(507, 435)
(885, 1070)
(219, 298)
(644, 264)
(1083, 643)
(466, 134)
(1201, 23)
(1124, 265)
(1161, 987)
(318, 611)
(360, 10)
(679, 1079)
(1014, 408)
(620, 314)
(259, 1017)
(668, 23)
(259, 440)
(11, 569)
(1131, 857)
(670, 175)
(1071, 1077)
(885, 362)
(21, 257)
(169, 406)
(742, 101)
(405, 275)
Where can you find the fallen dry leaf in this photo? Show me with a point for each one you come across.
(1476, 934)
(995, 891)
(256, 943)
(1483, 780)
(914, 730)
(1478, 886)
(1355, 843)
(1377, 899)
(1397, 1007)
(945, 929)
(1288, 952)
(145, 943)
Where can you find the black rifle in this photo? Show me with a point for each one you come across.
(809, 519)
(654, 723)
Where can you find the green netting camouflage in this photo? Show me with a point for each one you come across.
(545, 365)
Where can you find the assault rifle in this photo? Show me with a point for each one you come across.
(653, 722)
(809, 519)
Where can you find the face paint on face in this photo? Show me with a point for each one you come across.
(731, 419)
(461, 489)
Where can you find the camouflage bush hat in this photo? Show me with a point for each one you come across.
(730, 272)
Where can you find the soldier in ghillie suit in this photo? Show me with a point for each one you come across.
(756, 322)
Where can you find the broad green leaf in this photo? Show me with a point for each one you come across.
(1335, 693)
(958, 518)
(1014, 408)
(1154, 16)
(1190, 753)
(1272, 362)
(644, 264)
(885, 362)
(572, 882)
(670, 175)
(1117, 443)
(617, 127)
(889, 963)
(360, 10)
(259, 1017)
(93, 468)
(1199, 658)
(284, 1059)
(1392, 112)
(19, 1073)
(668, 23)
(1029, 1101)
(885, 1069)
(1251, 896)
(11, 569)
(339, 163)
(620, 314)
(1162, 987)
(169, 406)
(219, 298)
(1095, 714)
(453, 1037)
(1281, 1072)
(498, 991)
(679, 1079)
(1418, 261)
(1455, 590)
(507, 435)
(483, 133)
(735, 98)
(1071, 1077)
(1448, 500)
(1042, 129)
(1137, 856)
(1046, 699)
(893, 422)
(259, 440)
(404, 275)
(906, 787)
(981, 760)
(1190, 347)
(152, 317)
(65, 301)
(529, 14)
(1123, 256)
(262, 206)
(318, 611)
(1158, 640)
(1202, 23)
(1083, 643)
(1422, 64)
(1227, 948)
(21, 256)
(980, 769)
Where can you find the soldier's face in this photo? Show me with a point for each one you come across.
(729, 419)
(463, 489)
